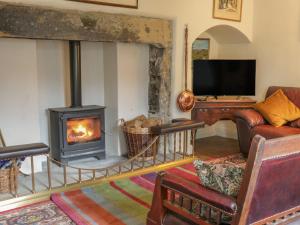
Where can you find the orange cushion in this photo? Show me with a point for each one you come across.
(277, 109)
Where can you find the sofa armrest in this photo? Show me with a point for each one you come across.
(252, 117)
(197, 191)
(295, 123)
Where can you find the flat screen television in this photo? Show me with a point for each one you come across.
(224, 77)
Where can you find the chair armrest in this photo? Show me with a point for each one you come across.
(197, 191)
(252, 117)
(17, 151)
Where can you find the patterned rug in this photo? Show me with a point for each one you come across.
(43, 213)
(125, 201)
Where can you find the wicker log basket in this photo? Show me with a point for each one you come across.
(8, 180)
(8, 174)
(138, 136)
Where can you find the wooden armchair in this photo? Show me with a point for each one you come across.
(269, 191)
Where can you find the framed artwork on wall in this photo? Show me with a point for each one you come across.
(200, 48)
(227, 9)
(118, 3)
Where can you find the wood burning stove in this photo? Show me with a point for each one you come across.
(76, 132)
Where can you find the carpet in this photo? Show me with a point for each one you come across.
(124, 201)
(43, 213)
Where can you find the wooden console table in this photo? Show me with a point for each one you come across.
(211, 111)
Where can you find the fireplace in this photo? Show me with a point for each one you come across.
(76, 132)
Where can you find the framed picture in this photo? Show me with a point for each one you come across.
(200, 48)
(2, 143)
(119, 3)
(227, 9)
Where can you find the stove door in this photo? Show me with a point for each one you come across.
(82, 131)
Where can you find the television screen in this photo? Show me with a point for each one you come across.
(224, 77)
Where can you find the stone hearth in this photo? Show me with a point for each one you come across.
(24, 21)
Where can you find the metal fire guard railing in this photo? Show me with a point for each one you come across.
(176, 144)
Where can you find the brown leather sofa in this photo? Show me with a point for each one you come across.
(250, 122)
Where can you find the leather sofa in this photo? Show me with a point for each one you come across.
(250, 122)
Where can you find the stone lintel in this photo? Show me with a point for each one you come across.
(37, 22)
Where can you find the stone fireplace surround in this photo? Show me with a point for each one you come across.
(33, 22)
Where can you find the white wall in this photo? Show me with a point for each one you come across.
(51, 81)
(133, 81)
(126, 68)
(19, 92)
(111, 98)
(277, 44)
(19, 114)
(133, 66)
(92, 67)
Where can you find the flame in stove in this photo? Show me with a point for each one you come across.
(83, 130)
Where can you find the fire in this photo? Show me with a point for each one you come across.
(83, 130)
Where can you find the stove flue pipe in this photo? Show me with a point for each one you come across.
(75, 73)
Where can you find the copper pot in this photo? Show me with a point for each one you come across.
(186, 101)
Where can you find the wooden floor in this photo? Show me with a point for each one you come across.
(215, 147)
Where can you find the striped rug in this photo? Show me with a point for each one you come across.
(124, 201)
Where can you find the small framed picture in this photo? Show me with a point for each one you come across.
(200, 49)
(227, 9)
(118, 3)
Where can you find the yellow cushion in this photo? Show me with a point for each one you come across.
(278, 109)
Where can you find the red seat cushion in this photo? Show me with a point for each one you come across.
(197, 191)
